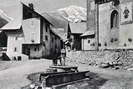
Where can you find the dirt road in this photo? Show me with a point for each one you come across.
(16, 77)
(115, 79)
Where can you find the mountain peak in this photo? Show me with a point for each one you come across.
(73, 13)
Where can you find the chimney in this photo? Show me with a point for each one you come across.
(31, 6)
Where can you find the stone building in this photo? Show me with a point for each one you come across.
(29, 34)
(112, 22)
(76, 30)
(88, 40)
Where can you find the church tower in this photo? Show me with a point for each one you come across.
(112, 22)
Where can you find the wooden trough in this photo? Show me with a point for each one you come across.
(65, 68)
(62, 79)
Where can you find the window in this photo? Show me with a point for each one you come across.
(112, 40)
(88, 41)
(46, 28)
(15, 49)
(52, 39)
(99, 44)
(16, 38)
(38, 48)
(105, 44)
(46, 38)
(114, 19)
(125, 44)
(116, 39)
(32, 41)
(34, 49)
(129, 39)
(93, 44)
(55, 38)
(43, 44)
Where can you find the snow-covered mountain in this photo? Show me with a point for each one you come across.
(73, 13)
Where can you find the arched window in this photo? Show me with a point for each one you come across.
(114, 19)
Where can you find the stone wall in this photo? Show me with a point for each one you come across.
(96, 58)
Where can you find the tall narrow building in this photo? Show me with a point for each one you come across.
(112, 23)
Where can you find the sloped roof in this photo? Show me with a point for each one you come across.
(57, 20)
(60, 32)
(87, 33)
(78, 28)
(2, 22)
(60, 25)
(4, 19)
(13, 9)
(12, 25)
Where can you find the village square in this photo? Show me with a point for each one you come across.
(66, 44)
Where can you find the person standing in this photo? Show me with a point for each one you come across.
(63, 57)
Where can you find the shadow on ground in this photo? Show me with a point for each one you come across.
(94, 82)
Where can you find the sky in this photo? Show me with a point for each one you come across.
(45, 5)
(52, 5)
(42, 6)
